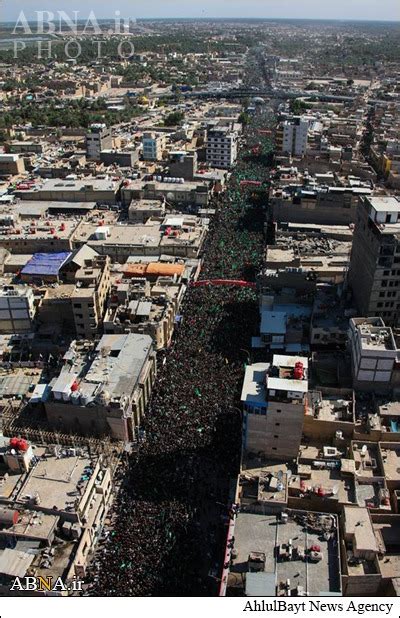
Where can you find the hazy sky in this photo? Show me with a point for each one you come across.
(314, 9)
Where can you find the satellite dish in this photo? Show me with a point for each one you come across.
(13, 451)
(170, 196)
(289, 475)
(335, 490)
(280, 475)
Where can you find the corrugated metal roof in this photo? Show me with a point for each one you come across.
(15, 563)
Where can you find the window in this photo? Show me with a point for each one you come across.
(274, 448)
(276, 436)
(277, 424)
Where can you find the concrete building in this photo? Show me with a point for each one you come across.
(104, 390)
(52, 236)
(44, 267)
(374, 274)
(182, 164)
(361, 574)
(90, 295)
(100, 190)
(153, 146)
(11, 165)
(180, 237)
(284, 323)
(222, 146)
(139, 211)
(176, 193)
(292, 136)
(122, 158)
(50, 493)
(329, 324)
(140, 306)
(321, 205)
(97, 139)
(17, 309)
(273, 398)
(300, 263)
(272, 554)
(373, 354)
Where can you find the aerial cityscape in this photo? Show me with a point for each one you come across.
(200, 302)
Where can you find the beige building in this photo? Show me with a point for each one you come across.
(49, 494)
(11, 164)
(104, 389)
(361, 573)
(90, 294)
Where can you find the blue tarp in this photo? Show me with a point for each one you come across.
(45, 263)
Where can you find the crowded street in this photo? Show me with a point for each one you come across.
(170, 516)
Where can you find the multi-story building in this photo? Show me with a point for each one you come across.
(17, 309)
(373, 353)
(90, 294)
(143, 306)
(97, 139)
(374, 274)
(222, 146)
(103, 390)
(274, 402)
(292, 136)
(54, 509)
(153, 146)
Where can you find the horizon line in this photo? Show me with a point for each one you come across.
(205, 18)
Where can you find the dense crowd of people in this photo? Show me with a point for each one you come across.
(169, 518)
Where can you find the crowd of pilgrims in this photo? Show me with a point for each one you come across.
(169, 518)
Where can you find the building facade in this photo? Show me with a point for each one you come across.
(222, 146)
(374, 274)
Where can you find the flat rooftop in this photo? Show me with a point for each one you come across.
(32, 525)
(114, 371)
(59, 185)
(384, 203)
(263, 533)
(390, 453)
(57, 481)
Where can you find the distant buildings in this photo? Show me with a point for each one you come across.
(153, 146)
(98, 138)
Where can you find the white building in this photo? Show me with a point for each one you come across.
(373, 353)
(17, 309)
(274, 398)
(153, 146)
(294, 136)
(222, 146)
